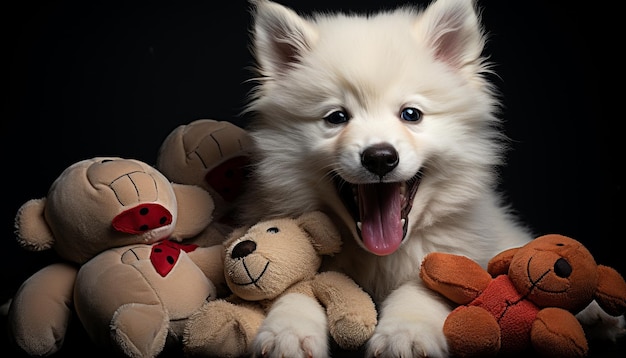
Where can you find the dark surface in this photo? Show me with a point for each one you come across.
(92, 78)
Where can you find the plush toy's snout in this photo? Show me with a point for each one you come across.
(228, 179)
(142, 218)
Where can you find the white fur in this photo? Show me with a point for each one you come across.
(372, 67)
(284, 334)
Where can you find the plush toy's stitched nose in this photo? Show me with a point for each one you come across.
(380, 159)
(142, 218)
(243, 249)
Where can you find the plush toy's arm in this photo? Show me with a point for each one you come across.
(611, 291)
(41, 309)
(351, 312)
(215, 233)
(211, 261)
(222, 329)
(457, 277)
(195, 210)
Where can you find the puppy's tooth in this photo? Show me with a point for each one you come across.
(358, 224)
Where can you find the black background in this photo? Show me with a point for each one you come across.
(106, 78)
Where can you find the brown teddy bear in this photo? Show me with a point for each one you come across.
(118, 224)
(526, 299)
(271, 259)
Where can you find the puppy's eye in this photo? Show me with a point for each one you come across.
(411, 114)
(337, 117)
(273, 230)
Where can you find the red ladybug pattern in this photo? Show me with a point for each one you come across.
(164, 255)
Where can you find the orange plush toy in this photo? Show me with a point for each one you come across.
(526, 299)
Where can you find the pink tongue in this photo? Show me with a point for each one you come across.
(380, 210)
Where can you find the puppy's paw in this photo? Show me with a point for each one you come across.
(407, 339)
(295, 327)
(601, 326)
(289, 343)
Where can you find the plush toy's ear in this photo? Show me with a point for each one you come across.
(33, 232)
(325, 236)
(499, 264)
(195, 210)
(611, 291)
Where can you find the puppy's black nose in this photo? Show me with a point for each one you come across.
(380, 159)
(243, 249)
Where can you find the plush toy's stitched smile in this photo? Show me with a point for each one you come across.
(561, 268)
(253, 280)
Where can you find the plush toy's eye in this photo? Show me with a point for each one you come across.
(562, 268)
(273, 230)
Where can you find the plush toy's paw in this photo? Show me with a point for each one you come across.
(352, 331)
(472, 332)
(294, 327)
(556, 333)
(221, 329)
(38, 319)
(351, 313)
(140, 330)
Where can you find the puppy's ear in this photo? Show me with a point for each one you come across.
(280, 36)
(452, 29)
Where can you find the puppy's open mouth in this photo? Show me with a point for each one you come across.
(380, 211)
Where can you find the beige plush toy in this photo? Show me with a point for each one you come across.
(271, 259)
(132, 283)
(213, 155)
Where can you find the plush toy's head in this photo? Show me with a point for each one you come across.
(264, 260)
(555, 270)
(105, 202)
(211, 154)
